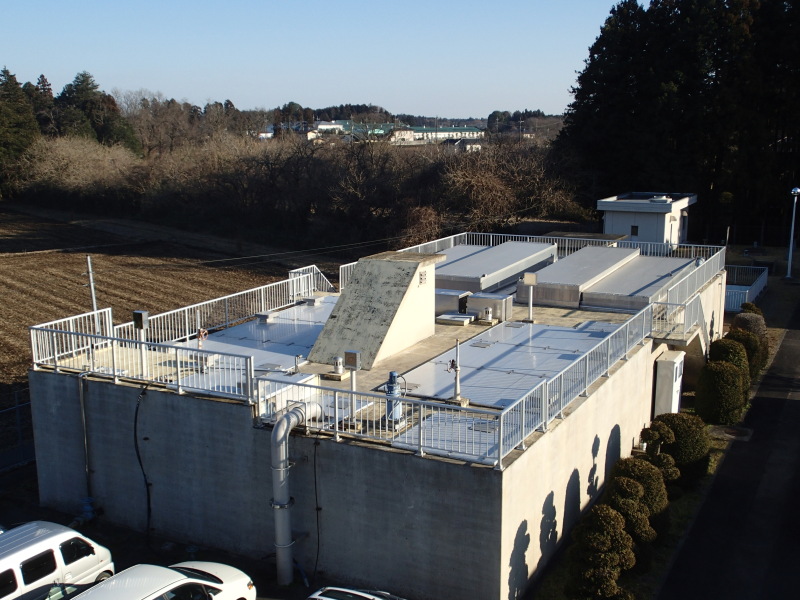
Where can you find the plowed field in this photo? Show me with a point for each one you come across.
(44, 276)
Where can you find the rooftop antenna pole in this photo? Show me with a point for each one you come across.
(456, 366)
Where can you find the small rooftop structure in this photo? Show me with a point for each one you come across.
(648, 216)
(383, 310)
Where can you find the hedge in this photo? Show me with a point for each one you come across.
(649, 476)
(731, 351)
(602, 550)
(754, 348)
(719, 395)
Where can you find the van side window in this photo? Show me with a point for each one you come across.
(8, 583)
(75, 549)
(39, 566)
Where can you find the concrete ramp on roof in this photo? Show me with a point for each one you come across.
(387, 306)
(563, 282)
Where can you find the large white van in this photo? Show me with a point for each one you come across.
(37, 557)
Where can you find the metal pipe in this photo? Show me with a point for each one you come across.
(86, 466)
(795, 193)
(281, 499)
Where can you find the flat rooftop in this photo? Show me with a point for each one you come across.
(558, 337)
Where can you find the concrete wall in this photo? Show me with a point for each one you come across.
(653, 227)
(422, 527)
(547, 486)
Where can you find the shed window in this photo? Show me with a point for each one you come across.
(634, 230)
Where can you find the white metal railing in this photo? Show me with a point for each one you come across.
(753, 278)
(70, 335)
(184, 323)
(681, 291)
(477, 435)
(174, 366)
(320, 282)
(566, 246)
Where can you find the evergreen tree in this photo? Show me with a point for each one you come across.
(18, 127)
(693, 95)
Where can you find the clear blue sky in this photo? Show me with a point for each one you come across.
(447, 58)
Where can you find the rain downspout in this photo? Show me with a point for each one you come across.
(281, 500)
(81, 397)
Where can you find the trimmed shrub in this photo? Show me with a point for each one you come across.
(602, 550)
(625, 496)
(749, 307)
(750, 322)
(692, 442)
(666, 464)
(753, 346)
(655, 436)
(731, 351)
(719, 395)
(650, 478)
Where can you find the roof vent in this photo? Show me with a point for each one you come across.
(660, 199)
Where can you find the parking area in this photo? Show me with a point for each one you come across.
(19, 503)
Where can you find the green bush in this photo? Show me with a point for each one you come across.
(655, 436)
(753, 346)
(750, 322)
(719, 395)
(731, 351)
(625, 496)
(692, 442)
(602, 550)
(650, 478)
(749, 307)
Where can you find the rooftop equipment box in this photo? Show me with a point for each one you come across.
(501, 305)
(451, 301)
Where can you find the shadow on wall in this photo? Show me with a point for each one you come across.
(613, 450)
(518, 573)
(592, 487)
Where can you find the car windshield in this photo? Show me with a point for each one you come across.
(198, 574)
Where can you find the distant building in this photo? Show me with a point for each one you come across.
(648, 216)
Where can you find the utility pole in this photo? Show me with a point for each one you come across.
(94, 296)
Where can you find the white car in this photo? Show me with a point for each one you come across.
(337, 593)
(191, 580)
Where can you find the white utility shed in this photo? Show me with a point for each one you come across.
(648, 216)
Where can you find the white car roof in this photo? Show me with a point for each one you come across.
(128, 584)
(31, 533)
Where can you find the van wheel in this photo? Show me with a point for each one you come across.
(102, 577)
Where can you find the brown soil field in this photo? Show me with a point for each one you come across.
(44, 274)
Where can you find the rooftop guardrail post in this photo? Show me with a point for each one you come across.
(336, 435)
(54, 349)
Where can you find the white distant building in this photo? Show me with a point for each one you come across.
(648, 216)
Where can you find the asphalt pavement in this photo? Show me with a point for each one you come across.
(745, 540)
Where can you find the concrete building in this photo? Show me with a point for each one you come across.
(648, 216)
(351, 432)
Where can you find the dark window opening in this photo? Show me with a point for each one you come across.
(39, 566)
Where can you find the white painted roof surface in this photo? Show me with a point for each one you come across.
(638, 282)
(586, 267)
(490, 267)
(275, 344)
(505, 362)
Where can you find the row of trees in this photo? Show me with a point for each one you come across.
(619, 533)
(693, 95)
